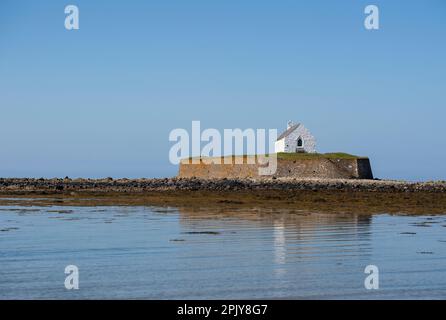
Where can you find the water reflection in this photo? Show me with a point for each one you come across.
(279, 247)
(299, 245)
(219, 253)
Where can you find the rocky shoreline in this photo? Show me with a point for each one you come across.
(14, 186)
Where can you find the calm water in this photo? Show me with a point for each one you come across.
(174, 253)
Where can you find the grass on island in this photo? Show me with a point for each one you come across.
(301, 156)
(332, 155)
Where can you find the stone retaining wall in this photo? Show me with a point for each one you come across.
(321, 168)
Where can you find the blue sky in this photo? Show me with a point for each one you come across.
(101, 101)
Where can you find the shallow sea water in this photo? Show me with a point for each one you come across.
(175, 253)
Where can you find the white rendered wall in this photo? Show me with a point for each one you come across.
(279, 146)
(309, 142)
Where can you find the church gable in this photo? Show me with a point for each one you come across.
(296, 138)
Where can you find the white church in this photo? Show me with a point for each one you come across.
(296, 138)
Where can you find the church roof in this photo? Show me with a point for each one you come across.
(288, 131)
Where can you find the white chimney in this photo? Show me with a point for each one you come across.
(289, 124)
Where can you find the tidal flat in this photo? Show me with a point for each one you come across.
(315, 201)
(244, 244)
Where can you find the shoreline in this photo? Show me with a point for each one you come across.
(294, 196)
(12, 186)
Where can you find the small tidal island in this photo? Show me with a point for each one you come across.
(295, 157)
(333, 182)
(302, 179)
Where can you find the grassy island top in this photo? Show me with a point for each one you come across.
(302, 156)
(332, 155)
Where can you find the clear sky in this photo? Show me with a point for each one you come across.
(100, 101)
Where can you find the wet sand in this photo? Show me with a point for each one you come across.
(313, 195)
(301, 201)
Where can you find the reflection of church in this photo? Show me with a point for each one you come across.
(290, 235)
(305, 234)
(273, 253)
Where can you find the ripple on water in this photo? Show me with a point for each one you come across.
(171, 253)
